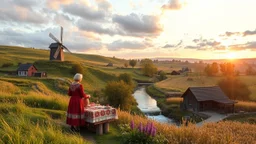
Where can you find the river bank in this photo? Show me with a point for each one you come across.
(149, 107)
(171, 110)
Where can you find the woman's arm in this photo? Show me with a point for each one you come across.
(82, 92)
(69, 92)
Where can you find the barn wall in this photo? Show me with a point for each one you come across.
(190, 101)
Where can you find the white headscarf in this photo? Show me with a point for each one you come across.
(78, 77)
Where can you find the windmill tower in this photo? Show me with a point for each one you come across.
(56, 52)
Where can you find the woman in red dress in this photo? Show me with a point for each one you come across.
(75, 113)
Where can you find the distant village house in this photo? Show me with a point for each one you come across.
(26, 70)
(110, 65)
(29, 70)
(175, 73)
(207, 98)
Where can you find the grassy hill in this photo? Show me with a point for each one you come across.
(96, 73)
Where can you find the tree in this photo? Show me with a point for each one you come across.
(148, 68)
(126, 64)
(133, 63)
(212, 69)
(227, 69)
(234, 88)
(162, 75)
(250, 70)
(119, 94)
(126, 78)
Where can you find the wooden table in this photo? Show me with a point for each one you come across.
(99, 117)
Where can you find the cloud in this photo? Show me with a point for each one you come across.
(245, 33)
(178, 45)
(248, 45)
(26, 3)
(55, 4)
(40, 39)
(104, 5)
(168, 46)
(204, 44)
(139, 25)
(87, 12)
(173, 5)
(248, 33)
(192, 47)
(17, 12)
(119, 44)
(95, 27)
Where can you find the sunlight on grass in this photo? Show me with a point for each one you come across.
(221, 133)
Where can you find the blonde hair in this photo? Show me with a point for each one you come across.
(78, 77)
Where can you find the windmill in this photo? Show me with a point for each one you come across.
(56, 52)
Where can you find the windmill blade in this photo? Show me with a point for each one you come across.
(66, 48)
(57, 52)
(61, 34)
(54, 38)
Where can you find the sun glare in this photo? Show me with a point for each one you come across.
(231, 55)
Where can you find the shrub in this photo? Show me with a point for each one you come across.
(7, 65)
(77, 68)
(119, 94)
(162, 75)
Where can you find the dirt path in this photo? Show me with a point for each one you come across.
(86, 134)
(214, 117)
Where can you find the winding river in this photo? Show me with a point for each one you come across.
(149, 106)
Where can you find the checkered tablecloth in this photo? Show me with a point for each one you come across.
(99, 113)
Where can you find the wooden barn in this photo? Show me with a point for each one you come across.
(175, 73)
(26, 70)
(207, 98)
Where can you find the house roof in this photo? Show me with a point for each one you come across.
(209, 93)
(25, 67)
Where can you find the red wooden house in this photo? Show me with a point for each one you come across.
(26, 70)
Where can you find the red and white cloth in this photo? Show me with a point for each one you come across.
(99, 113)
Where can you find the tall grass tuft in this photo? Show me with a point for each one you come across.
(174, 100)
(21, 130)
(245, 106)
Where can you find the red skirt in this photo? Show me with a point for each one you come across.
(75, 113)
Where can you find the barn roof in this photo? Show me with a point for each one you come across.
(209, 93)
(25, 67)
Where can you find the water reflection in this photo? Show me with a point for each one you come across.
(149, 106)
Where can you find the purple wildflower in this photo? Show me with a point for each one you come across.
(132, 124)
(140, 128)
(145, 129)
(149, 127)
(153, 132)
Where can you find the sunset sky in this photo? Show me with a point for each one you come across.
(204, 29)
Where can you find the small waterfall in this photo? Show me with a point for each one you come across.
(149, 106)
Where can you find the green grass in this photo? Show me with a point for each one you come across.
(244, 118)
(152, 91)
(22, 124)
(113, 137)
